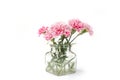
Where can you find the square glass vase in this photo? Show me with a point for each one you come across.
(60, 62)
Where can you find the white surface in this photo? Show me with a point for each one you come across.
(22, 51)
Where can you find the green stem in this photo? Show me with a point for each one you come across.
(83, 31)
(67, 40)
(72, 32)
(70, 60)
(70, 37)
(74, 38)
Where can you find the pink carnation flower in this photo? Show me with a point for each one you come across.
(67, 32)
(42, 30)
(58, 29)
(88, 28)
(48, 35)
(76, 24)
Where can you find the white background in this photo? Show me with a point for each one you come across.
(22, 51)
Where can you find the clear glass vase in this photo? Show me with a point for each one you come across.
(60, 60)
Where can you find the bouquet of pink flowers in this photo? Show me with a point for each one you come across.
(66, 30)
(61, 36)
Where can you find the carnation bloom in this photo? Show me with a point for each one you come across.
(76, 24)
(60, 29)
(48, 35)
(42, 30)
(67, 33)
(88, 28)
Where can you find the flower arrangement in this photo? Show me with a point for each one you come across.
(61, 37)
